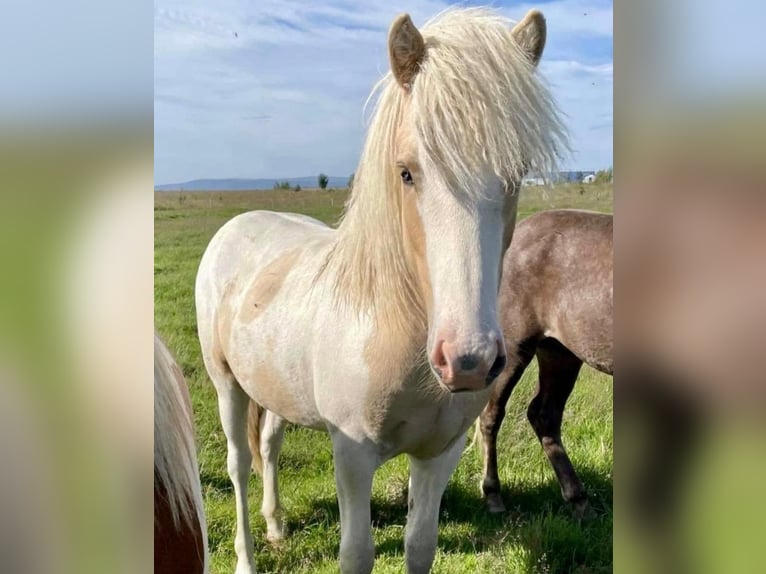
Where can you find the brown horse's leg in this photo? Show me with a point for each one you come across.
(491, 419)
(558, 373)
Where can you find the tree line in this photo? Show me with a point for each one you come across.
(322, 181)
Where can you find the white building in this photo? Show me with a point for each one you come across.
(531, 180)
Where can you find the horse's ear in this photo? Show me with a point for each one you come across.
(406, 49)
(530, 35)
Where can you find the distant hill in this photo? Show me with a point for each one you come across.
(244, 184)
(306, 182)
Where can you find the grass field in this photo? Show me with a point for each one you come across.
(537, 534)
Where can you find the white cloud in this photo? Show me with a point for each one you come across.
(276, 88)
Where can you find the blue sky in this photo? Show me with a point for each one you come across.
(284, 96)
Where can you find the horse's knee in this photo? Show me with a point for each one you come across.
(238, 462)
(357, 557)
(419, 558)
(491, 419)
(420, 549)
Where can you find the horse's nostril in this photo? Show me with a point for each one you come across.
(468, 362)
(438, 357)
(496, 369)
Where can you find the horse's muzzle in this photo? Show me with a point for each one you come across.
(470, 371)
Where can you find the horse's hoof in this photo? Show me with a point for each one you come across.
(275, 538)
(275, 533)
(276, 542)
(495, 504)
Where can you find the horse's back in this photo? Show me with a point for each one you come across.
(242, 244)
(558, 280)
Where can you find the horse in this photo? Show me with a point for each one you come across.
(555, 303)
(180, 533)
(384, 331)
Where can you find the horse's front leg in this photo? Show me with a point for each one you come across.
(428, 480)
(355, 464)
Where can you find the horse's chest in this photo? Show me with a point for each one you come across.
(430, 441)
(422, 428)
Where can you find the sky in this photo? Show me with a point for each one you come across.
(276, 88)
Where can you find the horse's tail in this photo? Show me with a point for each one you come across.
(254, 413)
(176, 470)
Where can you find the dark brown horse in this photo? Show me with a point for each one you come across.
(555, 303)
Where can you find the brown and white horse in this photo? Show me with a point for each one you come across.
(180, 535)
(384, 332)
(555, 303)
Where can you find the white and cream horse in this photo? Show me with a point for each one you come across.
(384, 332)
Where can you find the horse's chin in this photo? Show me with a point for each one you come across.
(460, 389)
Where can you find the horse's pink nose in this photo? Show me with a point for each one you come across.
(467, 371)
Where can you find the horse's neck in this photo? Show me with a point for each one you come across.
(379, 279)
(397, 345)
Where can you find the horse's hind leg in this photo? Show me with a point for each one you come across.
(272, 432)
(492, 418)
(232, 406)
(558, 373)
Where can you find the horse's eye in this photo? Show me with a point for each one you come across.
(406, 177)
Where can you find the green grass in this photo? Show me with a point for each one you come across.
(537, 534)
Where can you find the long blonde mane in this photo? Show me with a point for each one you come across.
(175, 451)
(476, 100)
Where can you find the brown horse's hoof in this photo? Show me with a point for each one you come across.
(495, 504)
